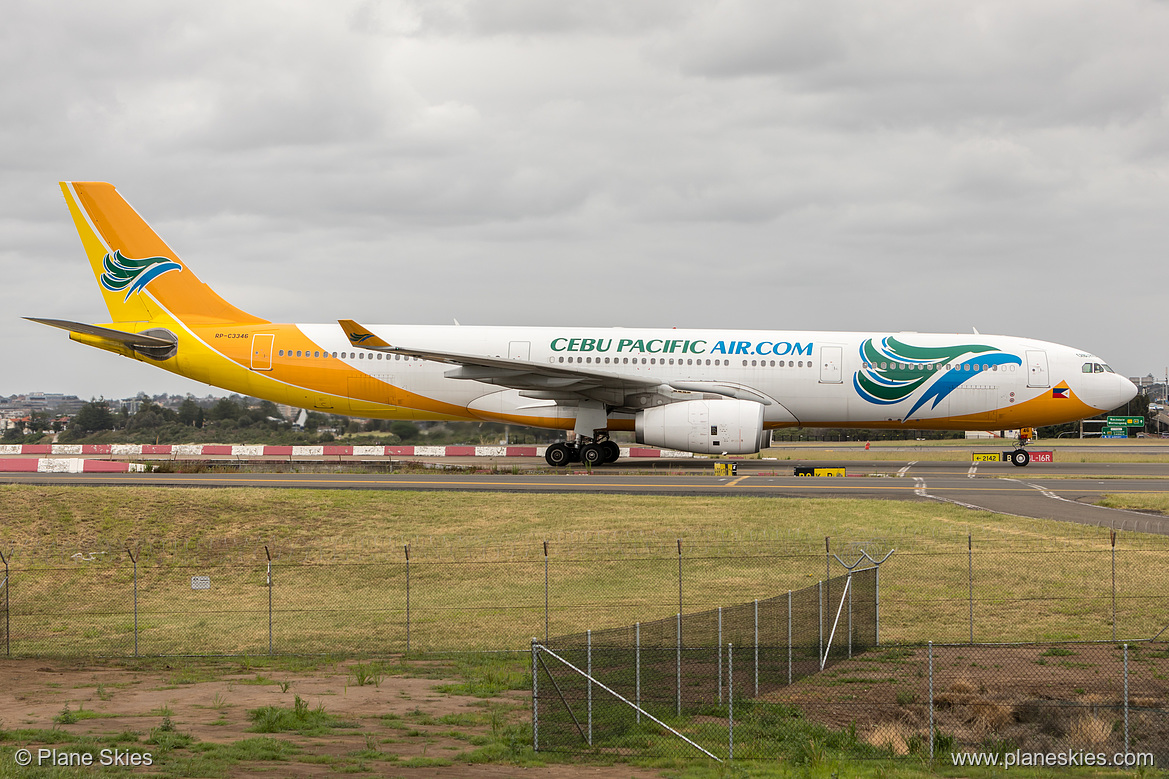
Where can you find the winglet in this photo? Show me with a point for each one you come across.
(359, 336)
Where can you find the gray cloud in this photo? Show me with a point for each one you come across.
(838, 165)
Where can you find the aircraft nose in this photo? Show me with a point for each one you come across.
(1107, 391)
(1125, 391)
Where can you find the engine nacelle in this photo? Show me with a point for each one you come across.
(703, 426)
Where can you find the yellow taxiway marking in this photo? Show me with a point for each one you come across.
(736, 481)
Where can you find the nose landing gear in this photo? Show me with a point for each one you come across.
(1021, 457)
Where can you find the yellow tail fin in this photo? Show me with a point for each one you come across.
(140, 276)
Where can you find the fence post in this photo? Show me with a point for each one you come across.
(820, 594)
(850, 623)
(756, 647)
(720, 654)
(407, 549)
(827, 593)
(1113, 585)
(637, 667)
(877, 606)
(789, 637)
(1126, 698)
(535, 698)
(931, 662)
(545, 591)
(679, 579)
(7, 622)
(589, 634)
(135, 561)
(269, 555)
(730, 702)
(678, 662)
(970, 581)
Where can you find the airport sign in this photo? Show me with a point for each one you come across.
(1126, 421)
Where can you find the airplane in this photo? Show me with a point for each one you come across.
(696, 390)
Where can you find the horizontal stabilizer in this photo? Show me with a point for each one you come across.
(132, 339)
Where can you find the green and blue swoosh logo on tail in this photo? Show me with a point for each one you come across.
(894, 370)
(124, 274)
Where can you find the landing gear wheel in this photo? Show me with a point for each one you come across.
(1020, 457)
(593, 454)
(612, 451)
(558, 455)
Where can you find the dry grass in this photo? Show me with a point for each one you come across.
(339, 565)
(1089, 731)
(893, 736)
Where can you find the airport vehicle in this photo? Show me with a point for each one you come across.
(698, 390)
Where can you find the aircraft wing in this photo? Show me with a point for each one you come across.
(547, 380)
(537, 379)
(131, 339)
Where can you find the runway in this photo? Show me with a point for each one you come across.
(1058, 491)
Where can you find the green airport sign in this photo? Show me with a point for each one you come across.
(1126, 421)
(1114, 432)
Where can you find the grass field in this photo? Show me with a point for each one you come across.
(477, 568)
(464, 717)
(477, 581)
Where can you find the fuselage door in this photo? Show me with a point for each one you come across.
(262, 351)
(1037, 369)
(519, 350)
(830, 359)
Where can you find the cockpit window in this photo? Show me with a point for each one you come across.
(1087, 367)
(1097, 368)
(1109, 369)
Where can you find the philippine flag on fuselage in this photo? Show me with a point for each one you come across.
(1061, 391)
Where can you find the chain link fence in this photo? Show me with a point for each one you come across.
(990, 704)
(670, 669)
(199, 599)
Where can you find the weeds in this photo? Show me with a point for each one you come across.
(367, 673)
(299, 719)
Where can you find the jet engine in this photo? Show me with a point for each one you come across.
(703, 426)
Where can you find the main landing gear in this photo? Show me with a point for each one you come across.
(594, 452)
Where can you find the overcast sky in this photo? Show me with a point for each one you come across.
(838, 164)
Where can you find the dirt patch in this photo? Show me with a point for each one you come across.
(395, 724)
